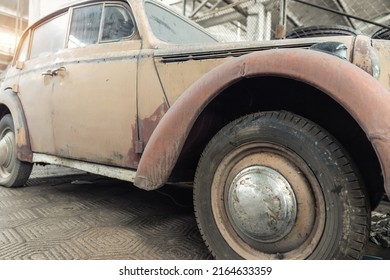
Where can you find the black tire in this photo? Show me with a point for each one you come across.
(324, 214)
(322, 31)
(382, 34)
(13, 172)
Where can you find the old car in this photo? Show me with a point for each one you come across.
(286, 142)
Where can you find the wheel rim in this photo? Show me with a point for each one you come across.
(263, 197)
(261, 205)
(7, 155)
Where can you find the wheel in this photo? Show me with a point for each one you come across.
(274, 185)
(382, 34)
(322, 31)
(13, 172)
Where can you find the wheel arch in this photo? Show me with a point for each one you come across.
(10, 103)
(287, 95)
(319, 76)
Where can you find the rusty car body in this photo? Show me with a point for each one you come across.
(286, 141)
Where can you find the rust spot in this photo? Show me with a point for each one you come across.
(24, 153)
(362, 53)
(150, 123)
(132, 157)
(352, 91)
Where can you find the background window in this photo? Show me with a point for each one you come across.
(117, 24)
(49, 37)
(85, 26)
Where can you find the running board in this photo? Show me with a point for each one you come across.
(104, 170)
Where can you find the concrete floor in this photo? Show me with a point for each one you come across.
(85, 216)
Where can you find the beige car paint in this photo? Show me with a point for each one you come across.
(108, 118)
(104, 103)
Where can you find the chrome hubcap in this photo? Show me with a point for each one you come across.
(261, 204)
(6, 152)
(6, 149)
(258, 189)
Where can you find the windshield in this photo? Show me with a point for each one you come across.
(170, 27)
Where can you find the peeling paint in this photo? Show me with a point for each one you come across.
(356, 91)
(362, 53)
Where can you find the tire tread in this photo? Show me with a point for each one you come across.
(360, 222)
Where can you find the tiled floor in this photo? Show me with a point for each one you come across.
(91, 217)
(83, 216)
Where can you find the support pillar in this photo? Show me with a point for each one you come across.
(255, 22)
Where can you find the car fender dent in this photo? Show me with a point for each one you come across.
(359, 93)
(23, 145)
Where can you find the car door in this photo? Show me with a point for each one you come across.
(35, 84)
(94, 93)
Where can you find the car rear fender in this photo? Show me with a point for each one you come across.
(366, 100)
(11, 101)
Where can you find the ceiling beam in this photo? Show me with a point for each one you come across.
(345, 8)
(194, 12)
(294, 19)
(224, 9)
(220, 19)
(238, 9)
(5, 62)
(341, 13)
(9, 22)
(12, 13)
(383, 18)
(5, 56)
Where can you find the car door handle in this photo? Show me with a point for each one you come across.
(47, 73)
(54, 72)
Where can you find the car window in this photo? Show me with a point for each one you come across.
(117, 23)
(49, 37)
(170, 27)
(85, 26)
(22, 56)
(86, 21)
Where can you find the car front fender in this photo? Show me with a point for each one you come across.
(23, 146)
(366, 100)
